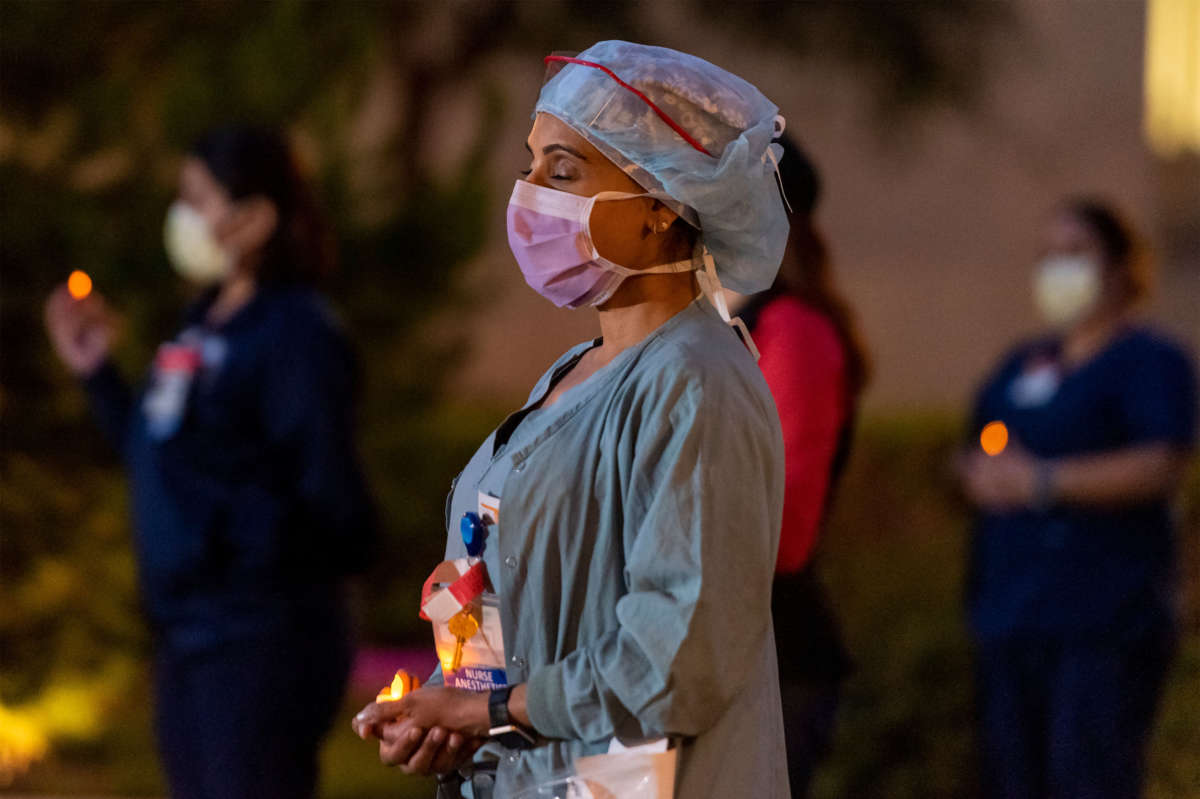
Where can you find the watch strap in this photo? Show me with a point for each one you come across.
(498, 706)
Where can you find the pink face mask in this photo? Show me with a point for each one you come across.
(548, 231)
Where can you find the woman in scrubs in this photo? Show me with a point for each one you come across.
(640, 488)
(1071, 596)
(250, 507)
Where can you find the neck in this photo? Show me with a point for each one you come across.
(640, 306)
(1091, 336)
(232, 297)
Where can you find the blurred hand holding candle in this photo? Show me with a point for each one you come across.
(402, 684)
(80, 325)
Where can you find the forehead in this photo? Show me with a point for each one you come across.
(548, 129)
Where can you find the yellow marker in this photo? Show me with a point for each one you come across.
(79, 284)
(402, 684)
(994, 438)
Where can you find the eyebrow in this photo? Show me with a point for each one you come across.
(549, 148)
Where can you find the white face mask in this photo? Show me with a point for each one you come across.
(192, 248)
(1066, 288)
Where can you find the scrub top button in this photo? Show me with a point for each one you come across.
(518, 661)
(513, 757)
(510, 562)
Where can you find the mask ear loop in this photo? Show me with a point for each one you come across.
(780, 124)
(687, 265)
(710, 284)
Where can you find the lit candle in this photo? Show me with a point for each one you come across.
(994, 438)
(402, 683)
(79, 284)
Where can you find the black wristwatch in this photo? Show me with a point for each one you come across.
(506, 731)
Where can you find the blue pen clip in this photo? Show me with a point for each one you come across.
(474, 533)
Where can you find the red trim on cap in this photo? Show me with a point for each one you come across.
(661, 114)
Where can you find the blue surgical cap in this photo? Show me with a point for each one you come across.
(722, 180)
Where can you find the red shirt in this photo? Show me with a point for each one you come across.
(804, 363)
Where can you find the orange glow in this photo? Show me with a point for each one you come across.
(79, 284)
(402, 684)
(994, 438)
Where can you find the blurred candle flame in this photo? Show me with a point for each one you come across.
(402, 684)
(79, 284)
(994, 438)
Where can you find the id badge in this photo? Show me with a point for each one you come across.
(1035, 386)
(175, 368)
(489, 508)
(480, 665)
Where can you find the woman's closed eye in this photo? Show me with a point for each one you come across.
(556, 167)
(561, 177)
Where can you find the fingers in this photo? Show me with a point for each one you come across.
(67, 316)
(404, 742)
(456, 748)
(55, 301)
(377, 713)
(398, 743)
(423, 759)
(80, 330)
(361, 728)
(59, 319)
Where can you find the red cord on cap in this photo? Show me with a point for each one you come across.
(661, 114)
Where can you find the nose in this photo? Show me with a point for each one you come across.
(538, 177)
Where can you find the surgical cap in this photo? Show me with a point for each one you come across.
(683, 127)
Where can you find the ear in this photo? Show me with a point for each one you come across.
(249, 225)
(660, 218)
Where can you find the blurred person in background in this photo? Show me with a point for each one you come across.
(1071, 590)
(816, 366)
(250, 506)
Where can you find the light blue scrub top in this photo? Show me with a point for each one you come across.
(639, 523)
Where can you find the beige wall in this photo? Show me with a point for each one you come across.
(933, 238)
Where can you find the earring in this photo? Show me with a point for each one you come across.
(662, 226)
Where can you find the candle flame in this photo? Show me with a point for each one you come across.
(402, 684)
(79, 284)
(994, 438)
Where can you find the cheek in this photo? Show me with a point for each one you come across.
(215, 212)
(617, 232)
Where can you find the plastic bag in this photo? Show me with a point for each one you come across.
(627, 775)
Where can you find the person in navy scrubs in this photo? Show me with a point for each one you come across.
(1071, 589)
(250, 506)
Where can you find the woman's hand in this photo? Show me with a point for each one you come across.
(1007, 481)
(81, 331)
(417, 751)
(433, 730)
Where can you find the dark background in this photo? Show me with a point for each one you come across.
(408, 117)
